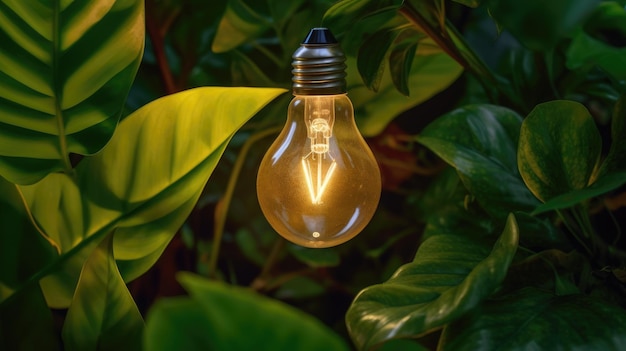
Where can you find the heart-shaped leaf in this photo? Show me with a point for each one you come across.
(534, 319)
(65, 71)
(143, 184)
(480, 141)
(103, 314)
(216, 314)
(449, 276)
(559, 149)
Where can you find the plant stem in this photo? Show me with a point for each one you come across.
(156, 37)
(221, 211)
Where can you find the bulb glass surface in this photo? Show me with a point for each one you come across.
(319, 185)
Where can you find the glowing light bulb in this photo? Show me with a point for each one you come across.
(318, 184)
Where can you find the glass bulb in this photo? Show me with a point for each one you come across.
(318, 184)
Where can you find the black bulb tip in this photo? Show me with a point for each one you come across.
(320, 36)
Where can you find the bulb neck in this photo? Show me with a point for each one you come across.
(319, 65)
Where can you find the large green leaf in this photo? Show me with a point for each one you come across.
(143, 184)
(216, 315)
(25, 320)
(449, 276)
(103, 314)
(65, 71)
(532, 319)
(431, 72)
(559, 149)
(588, 47)
(616, 159)
(539, 24)
(239, 24)
(480, 141)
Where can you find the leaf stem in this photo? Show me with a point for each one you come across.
(221, 211)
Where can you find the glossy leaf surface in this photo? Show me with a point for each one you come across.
(480, 141)
(535, 319)
(216, 314)
(65, 71)
(103, 314)
(559, 149)
(449, 276)
(144, 195)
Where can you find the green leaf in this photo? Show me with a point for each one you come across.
(591, 46)
(480, 141)
(26, 323)
(103, 314)
(431, 72)
(616, 159)
(216, 314)
(144, 183)
(23, 250)
(469, 3)
(401, 59)
(328, 257)
(371, 57)
(559, 149)
(603, 185)
(449, 276)
(65, 71)
(551, 21)
(538, 320)
(239, 25)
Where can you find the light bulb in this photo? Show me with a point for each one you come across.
(319, 184)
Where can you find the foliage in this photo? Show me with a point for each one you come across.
(500, 143)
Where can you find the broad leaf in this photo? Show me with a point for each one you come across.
(144, 183)
(216, 314)
(65, 71)
(588, 48)
(239, 25)
(449, 276)
(538, 320)
(431, 72)
(603, 185)
(103, 314)
(372, 54)
(480, 141)
(559, 149)
(401, 59)
(538, 24)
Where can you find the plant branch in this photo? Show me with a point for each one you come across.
(221, 210)
(157, 38)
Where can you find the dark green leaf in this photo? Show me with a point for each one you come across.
(103, 314)
(616, 159)
(480, 141)
(26, 323)
(65, 71)
(449, 276)
(216, 315)
(401, 59)
(469, 3)
(299, 288)
(603, 185)
(371, 57)
(431, 72)
(538, 320)
(559, 149)
(601, 41)
(539, 24)
(328, 257)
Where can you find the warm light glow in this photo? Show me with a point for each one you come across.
(319, 184)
